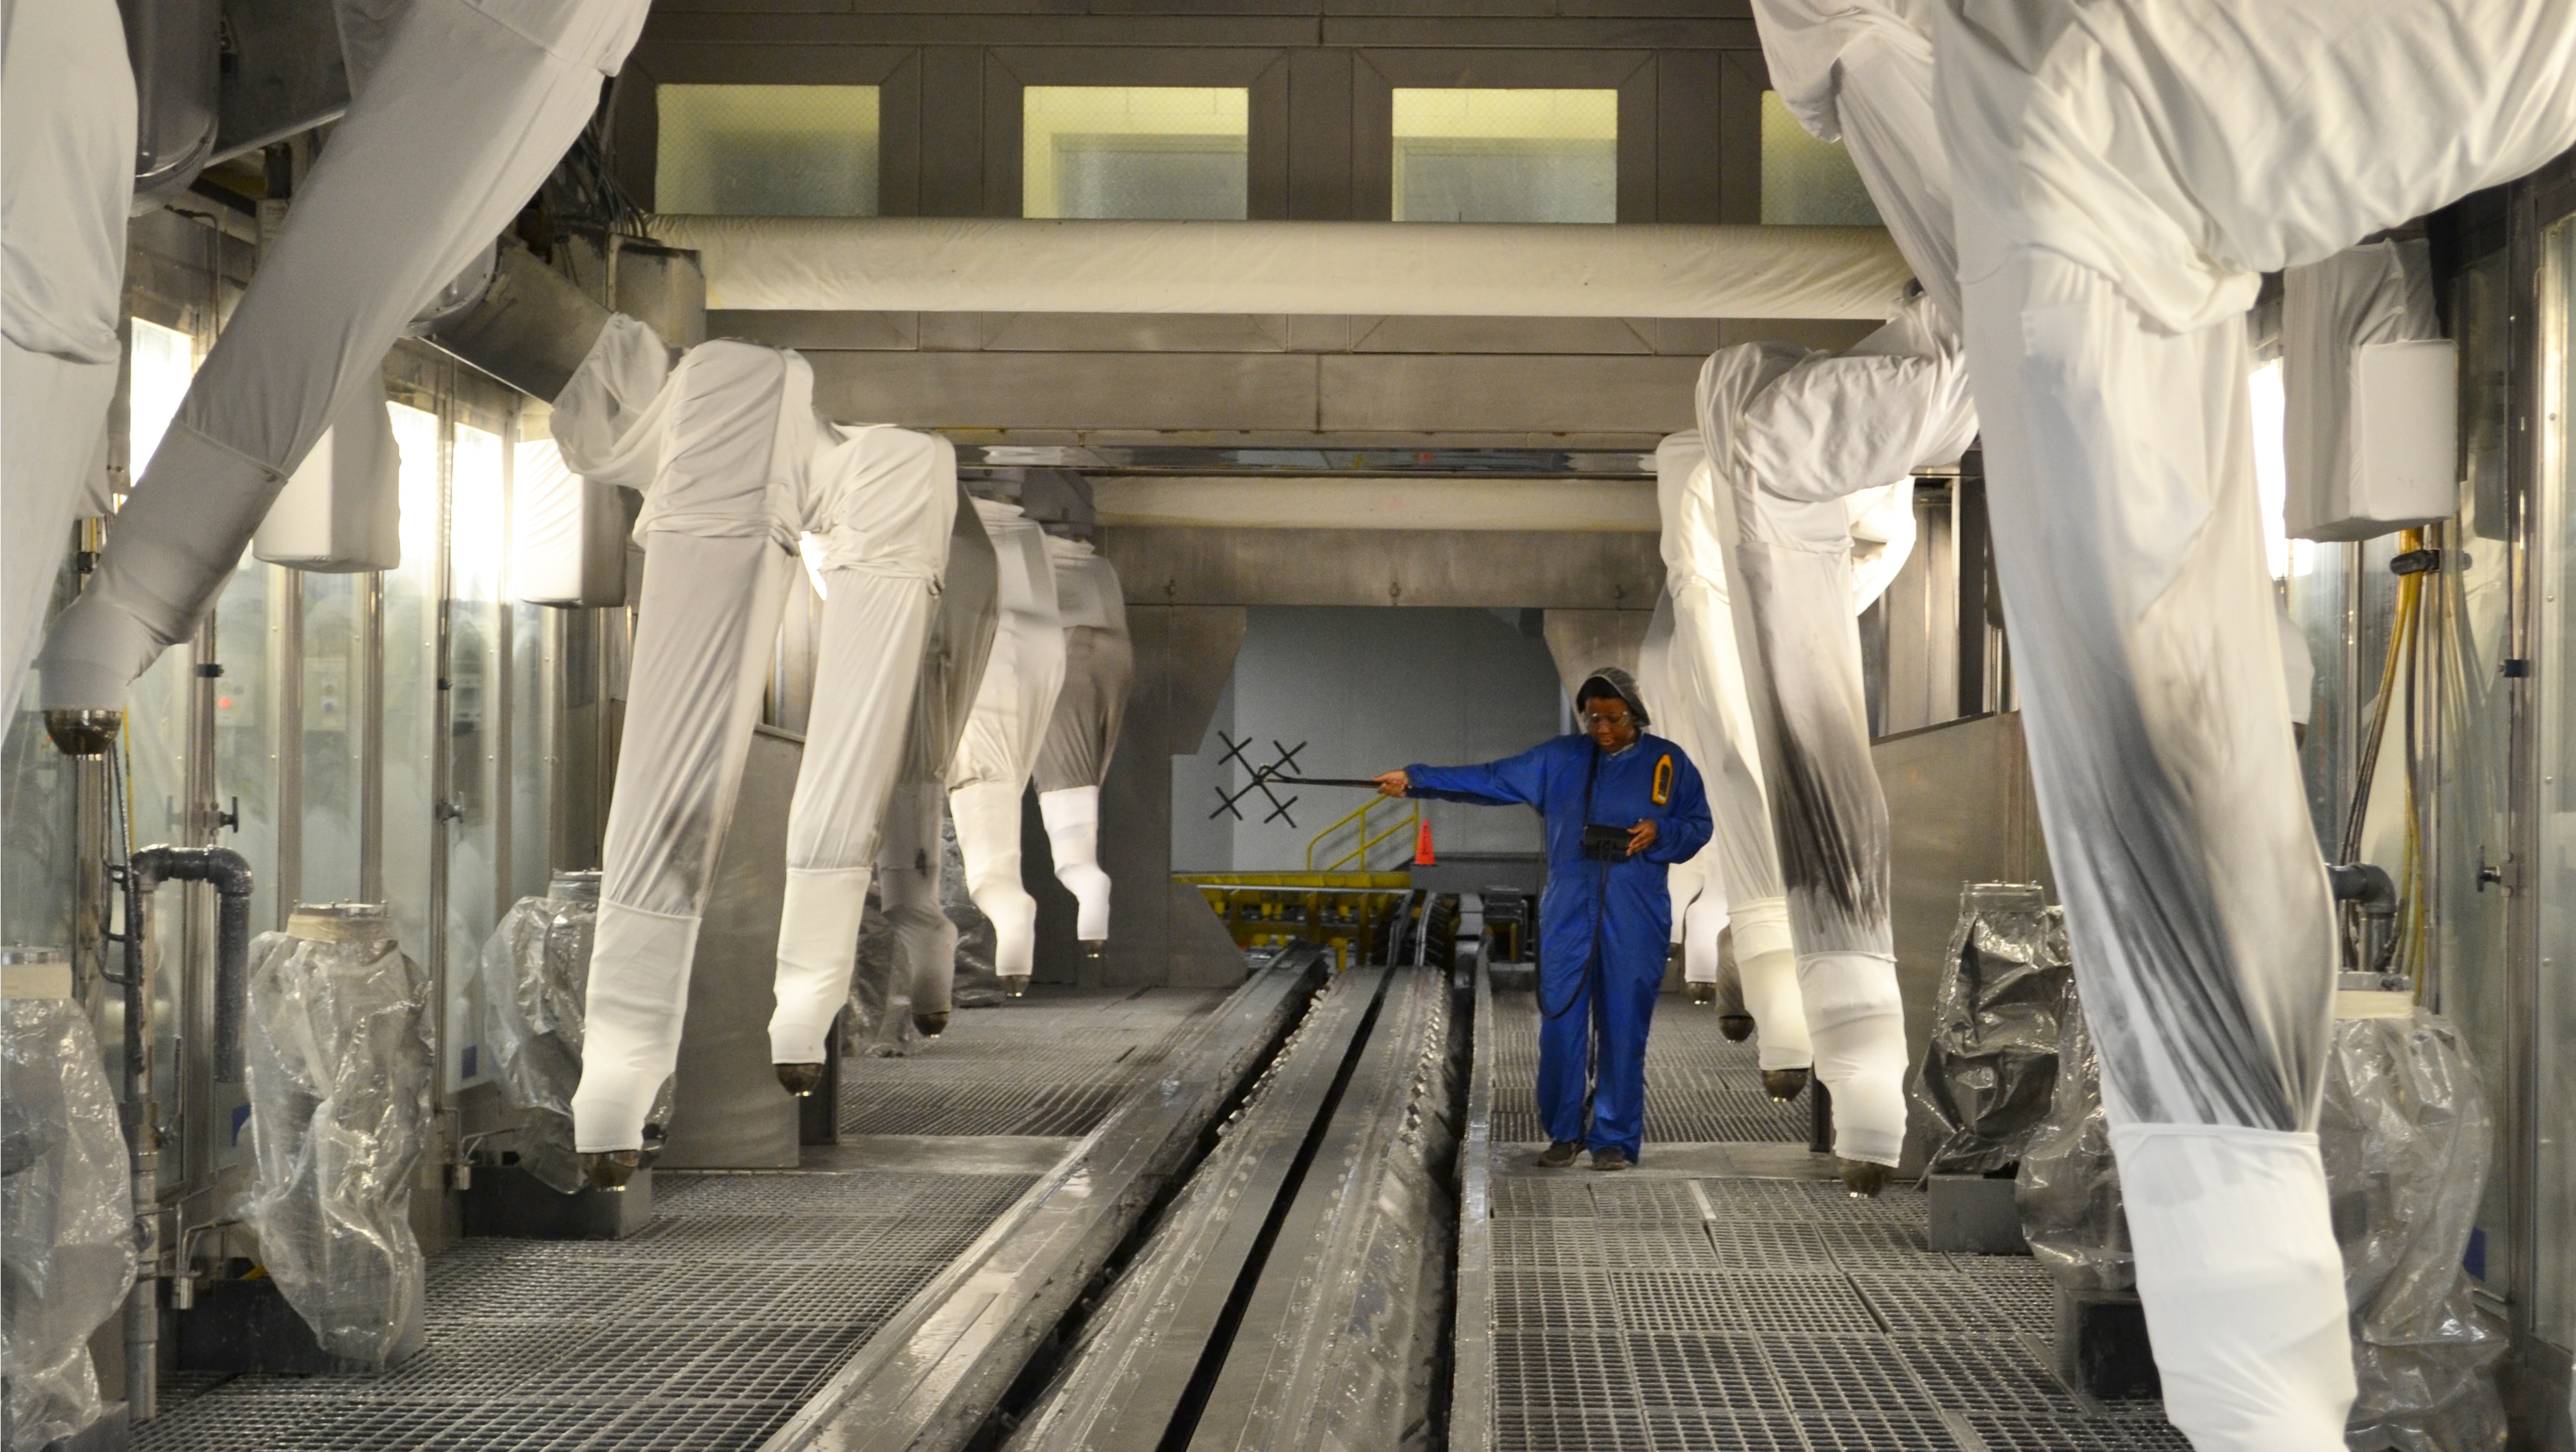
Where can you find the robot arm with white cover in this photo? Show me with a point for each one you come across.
(67, 127)
(1797, 437)
(999, 749)
(470, 106)
(2112, 236)
(1100, 667)
(884, 501)
(721, 448)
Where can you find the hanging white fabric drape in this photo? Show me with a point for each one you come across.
(722, 450)
(1099, 668)
(953, 658)
(999, 749)
(66, 180)
(2375, 296)
(472, 103)
(2126, 172)
(884, 500)
(1702, 677)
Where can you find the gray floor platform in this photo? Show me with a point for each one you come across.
(1730, 1295)
(750, 1290)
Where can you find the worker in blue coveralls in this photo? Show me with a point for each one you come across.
(1619, 807)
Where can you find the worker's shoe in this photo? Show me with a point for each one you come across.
(611, 1169)
(1702, 995)
(1016, 985)
(1862, 1178)
(931, 1025)
(799, 1079)
(1608, 1158)
(1560, 1154)
(1736, 1026)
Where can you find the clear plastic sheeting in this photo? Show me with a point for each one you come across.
(2068, 1191)
(66, 1217)
(342, 1103)
(536, 970)
(2405, 1134)
(1989, 1078)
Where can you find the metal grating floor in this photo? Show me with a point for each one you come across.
(707, 1330)
(1658, 1311)
(1699, 1087)
(1054, 1063)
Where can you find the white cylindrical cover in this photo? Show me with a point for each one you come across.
(1459, 269)
(958, 649)
(909, 864)
(66, 180)
(470, 107)
(1856, 1025)
(341, 510)
(987, 814)
(884, 500)
(1026, 667)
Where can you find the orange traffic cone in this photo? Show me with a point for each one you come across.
(1422, 847)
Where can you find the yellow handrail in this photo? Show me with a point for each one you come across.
(1358, 854)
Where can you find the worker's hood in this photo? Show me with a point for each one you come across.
(1612, 681)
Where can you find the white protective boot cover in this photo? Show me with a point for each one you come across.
(2243, 1283)
(1099, 670)
(723, 449)
(884, 500)
(999, 749)
(66, 181)
(471, 105)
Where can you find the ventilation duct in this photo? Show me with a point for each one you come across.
(530, 326)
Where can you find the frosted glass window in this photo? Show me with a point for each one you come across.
(1177, 153)
(2283, 555)
(1806, 182)
(411, 683)
(767, 151)
(478, 536)
(1468, 155)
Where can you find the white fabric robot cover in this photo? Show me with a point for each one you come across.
(910, 859)
(470, 106)
(1693, 676)
(1099, 669)
(66, 180)
(1797, 435)
(2113, 233)
(722, 450)
(999, 749)
(884, 503)
(2377, 293)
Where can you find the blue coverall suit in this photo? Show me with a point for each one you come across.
(1616, 912)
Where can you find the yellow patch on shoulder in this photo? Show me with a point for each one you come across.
(1663, 793)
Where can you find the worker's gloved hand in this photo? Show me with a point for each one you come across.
(1641, 837)
(1393, 783)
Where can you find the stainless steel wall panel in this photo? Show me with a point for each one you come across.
(1497, 335)
(1482, 568)
(1144, 391)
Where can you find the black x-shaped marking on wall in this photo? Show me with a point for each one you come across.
(1285, 765)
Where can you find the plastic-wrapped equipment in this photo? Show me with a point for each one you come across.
(1989, 1077)
(999, 749)
(469, 106)
(1099, 670)
(1693, 676)
(536, 972)
(721, 447)
(67, 140)
(2068, 1190)
(1792, 437)
(884, 505)
(66, 1217)
(342, 1105)
(2405, 1135)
